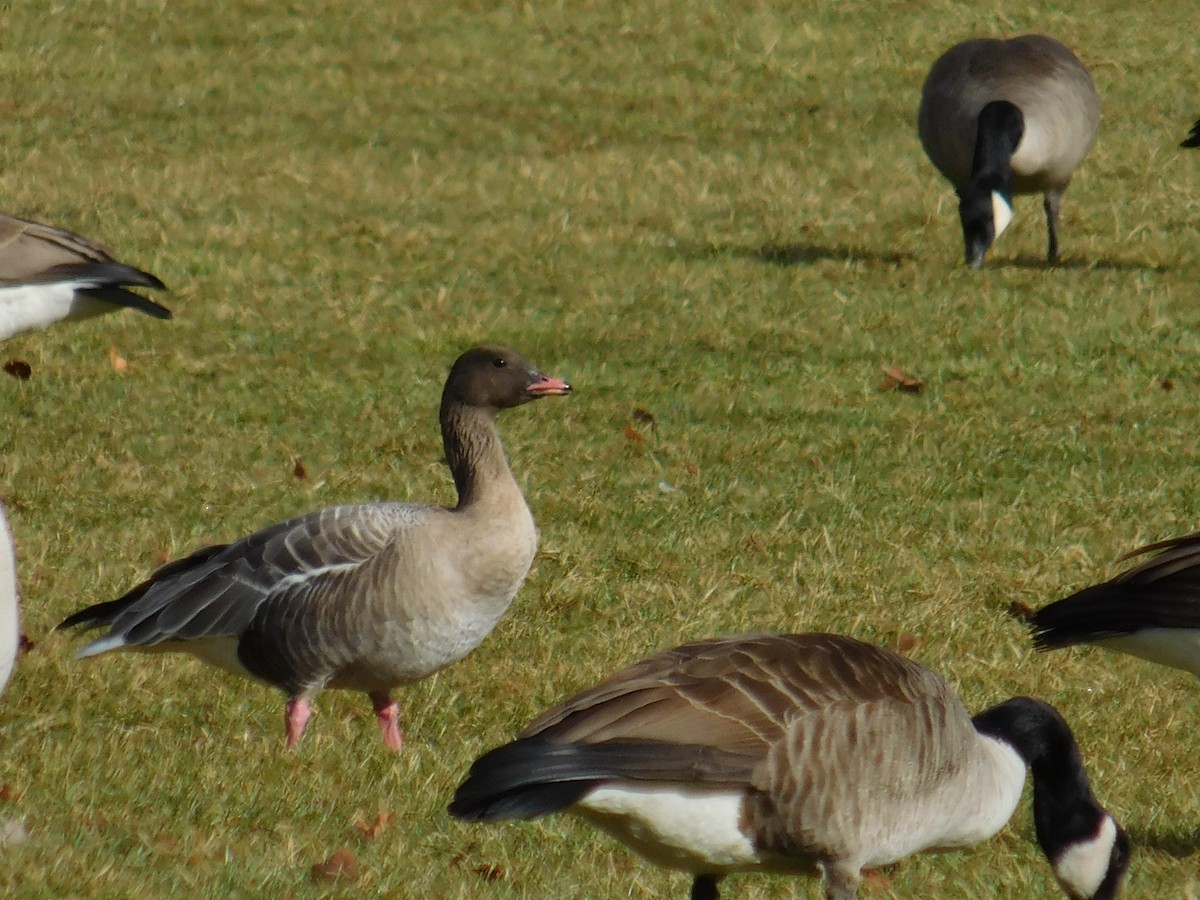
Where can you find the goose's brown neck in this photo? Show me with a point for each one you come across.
(473, 451)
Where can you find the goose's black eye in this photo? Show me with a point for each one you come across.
(499, 362)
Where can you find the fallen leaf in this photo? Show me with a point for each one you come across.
(9, 794)
(876, 880)
(1167, 384)
(905, 642)
(643, 417)
(119, 363)
(691, 468)
(298, 470)
(633, 435)
(1021, 611)
(18, 368)
(24, 644)
(489, 872)
(896, 379)
(162, 557)
(383, 821)
(342, 863)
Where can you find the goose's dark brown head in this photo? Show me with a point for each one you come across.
(498, 378)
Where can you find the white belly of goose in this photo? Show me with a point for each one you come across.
(31, 306)
(678, 827)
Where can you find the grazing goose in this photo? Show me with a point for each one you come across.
(1193, 138)
(47, 275)
(793, 753)
(10, 622)
(1005, 117)
(1151, 611)
(365, 597)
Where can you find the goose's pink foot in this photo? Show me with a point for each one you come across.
(295, 718)
(388, 714)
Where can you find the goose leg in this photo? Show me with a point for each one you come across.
(388, 714)
(295, 718)
(1050, 203)
(704, 887)
(840, 882)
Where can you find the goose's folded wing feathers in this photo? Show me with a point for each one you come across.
(219, 590)
(734, 694)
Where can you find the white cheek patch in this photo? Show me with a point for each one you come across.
(1082, 867)
(1002, 213)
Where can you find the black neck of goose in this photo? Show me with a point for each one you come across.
(473, 449)
(1065, 811)
(998, 132)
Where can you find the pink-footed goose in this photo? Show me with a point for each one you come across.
(10, 621)
(1005, 117)
(48, 275)
(364, 597)
(1151, 611)
(793, 754)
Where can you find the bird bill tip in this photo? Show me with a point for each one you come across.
(546, 386)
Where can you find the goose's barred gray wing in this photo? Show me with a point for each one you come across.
(268, 577)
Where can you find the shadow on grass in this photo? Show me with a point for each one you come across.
(789, 254)
(1039, 262)
(1174, 843)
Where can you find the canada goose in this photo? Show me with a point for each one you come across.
(1151, 611)
(1193, 138)
(793, 753)
(48, 274)
(10, 622)
(1005, 117)
(365, 597)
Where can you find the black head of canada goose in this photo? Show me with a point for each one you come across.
(1150, 611)
(10, 624)
(48, 275)
(798, 754)
(1005, 117)
(363, 597)
(1193, 138)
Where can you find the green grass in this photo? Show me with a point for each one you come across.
(717, 212)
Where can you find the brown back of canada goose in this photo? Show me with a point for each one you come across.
(792, 753)
(48, 275)
(365, 597)
(1005, 117)
(10, 624)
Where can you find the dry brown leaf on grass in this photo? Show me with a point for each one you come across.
(340, 864)
(1021, 611)
(896, 379)
(876, 880)
(18, 368)
(906, 642)
(633, 435)
(298, 471)
(9, 794)
(486, 871)
(383, 821)
(24, 644)
(118, 362)
(1167, 384)
(162, 557)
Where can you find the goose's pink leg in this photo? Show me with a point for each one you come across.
(296, 717)
(388, 714)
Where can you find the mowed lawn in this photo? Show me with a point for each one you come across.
(716, 220)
